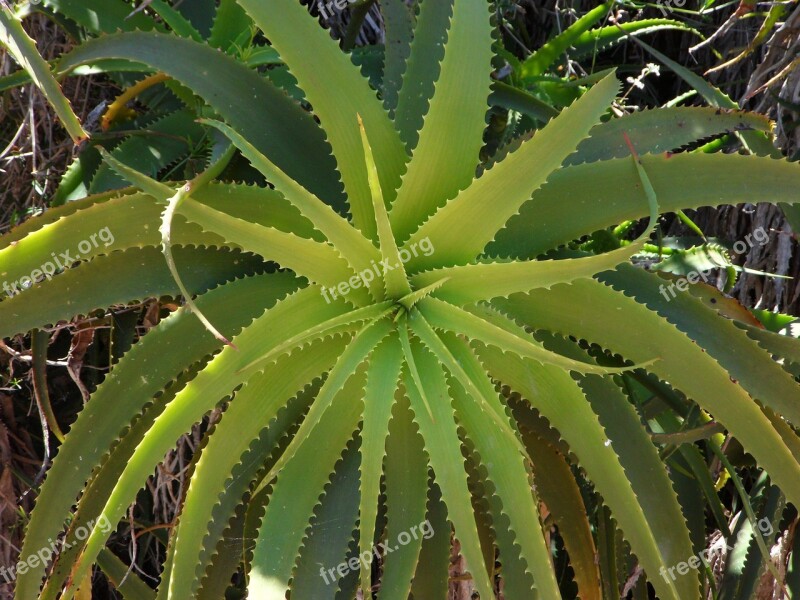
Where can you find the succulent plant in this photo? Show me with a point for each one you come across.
(402, 341)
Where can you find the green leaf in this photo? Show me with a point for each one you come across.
(264, 206)
(510, 477)
(337, 92)
(406, 473)
(102, 16)
(54, 244)
(166, 141)
(773, 321)
(54, 214)
(212, 384)
(297, 492)
(507, 336)
(444, 449)
(285, 132)
(511, 98)
(783, 346)
(24, 51)
(236, 432)
(603, 194)
(122, 277)
(394, 278)
(124, 394)
(738, 355)
(661, 130)
(100, 485)
(84, 225)
(345, 322)
(356, 353)
(398, 20)
(602, 38)
(347, 240)
(609, 318)
(200, 13)
(230, 24)
(462, 364)
(158, 190)
(695, 260)
(330, 534)
(756, 142)
(228, 561)
(538, 62)
(405, 341)
(317, 261)
(482, 281)
(461, 229)
(382, 379)
(175, 20)
(558, 397)
(127, 583)
(444, 160)
(433, 580)
(173, 201)
(422, 68)
(645, 470)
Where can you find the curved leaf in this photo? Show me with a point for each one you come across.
(285, 132)
(122, 277)
(24, 51)
(604, 194)
(443, 162)
(382, 379)
(125, 393)
(538, 62)
(559, 398)
(337, 92)
(212, 384)
(461, 229)
(297, 491)
(609, 318)
(444, 449)
(407, 479)
(232, 437)
(422, 68)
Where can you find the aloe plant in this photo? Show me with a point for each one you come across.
(435, 359)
